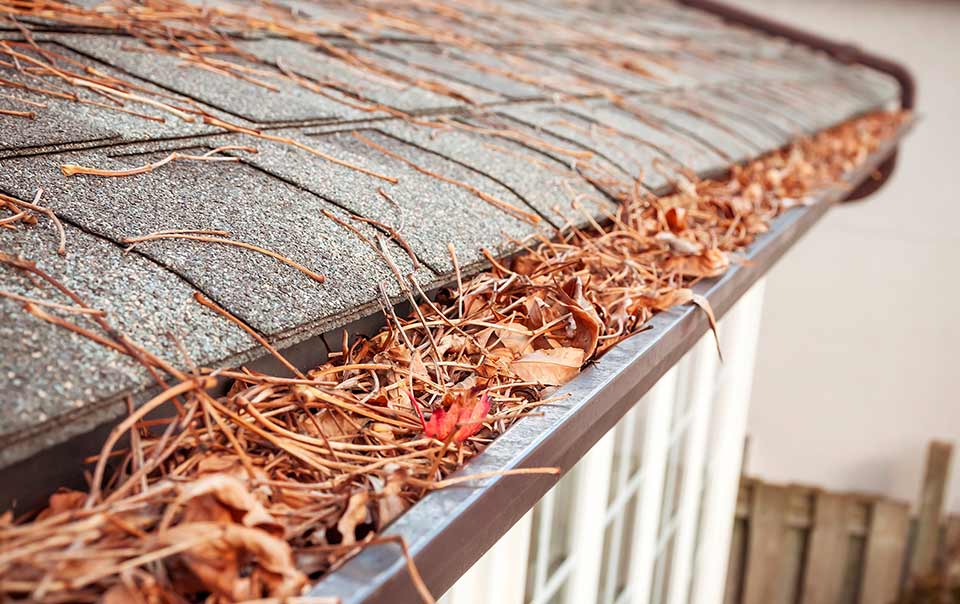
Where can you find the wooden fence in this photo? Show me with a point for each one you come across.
(803, 545)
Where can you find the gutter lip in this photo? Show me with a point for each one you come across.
(450, 529)
(842, 52)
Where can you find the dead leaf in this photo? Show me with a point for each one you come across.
(587, 325)
(452, 342)
(495, 362)
(122, 594)
(389, 502)
(704, 305)
(355, 514)
(516, 338)
(224, 498)
(417, 367)
(678, 244)
(525, 264)
(711, 263)
(676, 219)
(236, 562)
(550, 367)
(465, 415)
(681, 296)
(64, 500)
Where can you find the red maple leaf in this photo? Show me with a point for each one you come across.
(463, 416)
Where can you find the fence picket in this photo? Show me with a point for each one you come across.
(924, 554)
(886, 547)
(827, 550)
(765, 543)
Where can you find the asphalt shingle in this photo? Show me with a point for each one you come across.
(251, 206)
(55, 384)
(272, 100)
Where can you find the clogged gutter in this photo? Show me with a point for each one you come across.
(252, 495)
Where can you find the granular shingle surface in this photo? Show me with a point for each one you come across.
(497, 121)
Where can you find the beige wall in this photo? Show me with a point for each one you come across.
(859, 362)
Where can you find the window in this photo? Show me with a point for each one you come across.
(630, 523)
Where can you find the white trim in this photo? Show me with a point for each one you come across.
(544, 534)
(507, 561)
(741, 326)
(660, 402)
(590, 502)
(702, 376)
(617, 519)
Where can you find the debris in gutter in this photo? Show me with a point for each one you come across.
(255, 494)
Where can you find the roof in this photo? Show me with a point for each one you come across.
(485, 114)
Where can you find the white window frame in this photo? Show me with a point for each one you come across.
(705, 439)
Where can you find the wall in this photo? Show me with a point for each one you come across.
(858, 365)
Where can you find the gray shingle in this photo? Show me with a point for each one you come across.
(632, 155)
(432, 213)
(53, 383)
(287, 103)
(252, 206)
(373, 88)
(61, 121)
(546, 184)
(459, 66)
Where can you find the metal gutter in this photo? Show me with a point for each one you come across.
(449, 530)
(841, 52)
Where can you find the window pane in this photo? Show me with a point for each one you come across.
(532, 555)
(639, 418)
(620, 448)
(626, 547)
(563, 512)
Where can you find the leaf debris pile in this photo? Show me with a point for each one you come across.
(255, 493)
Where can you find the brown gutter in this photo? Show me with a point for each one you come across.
(839, 51)
(450, 529)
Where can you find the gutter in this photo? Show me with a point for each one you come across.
(448, 530)
(841, 52)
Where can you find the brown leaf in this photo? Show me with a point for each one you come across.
(122, 594)
(704, 305)
(550, 367)
(328, 425)
(417, 367)
(671, 298)
(451, 342)
(515, 337)
(384, 432)
(355, 514)
(677, 297)
(680, 245)
(586, 328)
(534, 309)
(495, 362)
(236, 562)
(711, 263)
(64, 500)
(229, 465)
(389, 502)
(525, 264)
(676, 219)
(221, 497)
